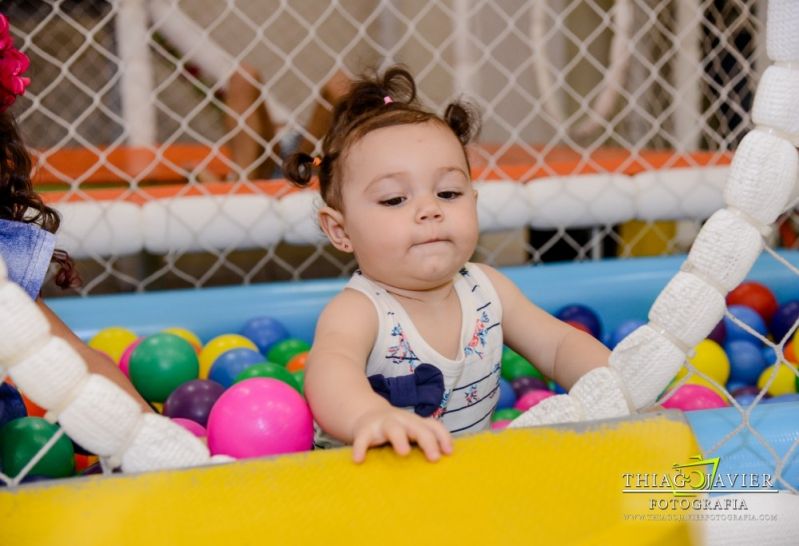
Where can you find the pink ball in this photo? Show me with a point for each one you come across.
(694, 397)
(124, 360)
(192, 426)
(499, 425)
(531, 398)
(257, 417)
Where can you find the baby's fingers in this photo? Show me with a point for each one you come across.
(361, 443)
(426, 439)
(442, 435)
(398, 436)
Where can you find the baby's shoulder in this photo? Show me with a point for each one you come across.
(351, 304)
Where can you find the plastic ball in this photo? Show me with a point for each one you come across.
(505, 414)
(623, 330)
(526, 383)
(192, 426)
(21, 440)
(193, 400)
(710, 359)
(160, 364)
(532, 398)
(112, 341)
(582, 314)
(264, 332)
(756, 296)
(220, 344)
(784, 382)
(718, 333)
(231, 363)
(283, 351)
(12, 406)
(124, 360)
(507, 396)
(188, 335)
(299, 377)
(769, 355)
(259, 417)
(297, 362)
(746, 361)
(784, 319)
(515, 366)
(751, 318)
(270, 370)
(789, 352)
(500, 425)
(694, 397)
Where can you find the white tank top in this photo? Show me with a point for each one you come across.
(471, 381)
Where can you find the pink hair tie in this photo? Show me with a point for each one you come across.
(387, 100)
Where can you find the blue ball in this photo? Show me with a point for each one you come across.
(11, 404)
(746, 361)
(506, 395)
(557, 389)
(231, 363)
(784, 318)
(264, 332)
(623, 330)
(769, 355)
(582, 314)
(746, 399)
(750, 317)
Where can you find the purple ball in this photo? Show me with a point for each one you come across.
(523, 384)
(783, 319)
(718, 333)
(193, 400)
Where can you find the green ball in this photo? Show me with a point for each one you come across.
(160, 364)
(282, 352)
(299, 377)
(505, 414)
(515, 366)
(21, 439)
(269, 369)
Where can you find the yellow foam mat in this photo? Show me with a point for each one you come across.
(534, 486)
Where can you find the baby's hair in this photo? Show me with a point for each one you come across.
(18, 200)
(374, 102)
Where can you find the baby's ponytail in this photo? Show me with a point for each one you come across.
(464, 121)
(298, 169)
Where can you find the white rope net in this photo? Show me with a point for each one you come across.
(607, 131)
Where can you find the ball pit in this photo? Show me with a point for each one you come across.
(296, 312)
(161, 363)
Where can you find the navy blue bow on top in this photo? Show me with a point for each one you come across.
(423, 389)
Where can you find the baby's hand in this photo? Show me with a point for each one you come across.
(400, 427)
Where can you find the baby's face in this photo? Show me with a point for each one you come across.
(409, 207)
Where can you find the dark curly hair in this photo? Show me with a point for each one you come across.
(19, 202)
(363, 110)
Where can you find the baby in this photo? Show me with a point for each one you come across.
(410, 350)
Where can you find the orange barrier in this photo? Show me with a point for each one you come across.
(160, 174)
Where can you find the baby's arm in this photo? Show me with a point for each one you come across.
(558, 350)
(341, 399)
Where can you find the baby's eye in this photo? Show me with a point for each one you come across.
(449, 195)
(393, 202)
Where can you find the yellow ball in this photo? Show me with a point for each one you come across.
(188, 335)
(219, 345)
(112, 341)
(711, 360)
(784, 383)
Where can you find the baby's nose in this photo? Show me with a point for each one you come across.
(429, 210)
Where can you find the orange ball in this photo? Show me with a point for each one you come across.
(32, 409)
(297, 362)
(789, 352)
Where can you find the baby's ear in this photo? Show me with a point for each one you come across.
(332, 223)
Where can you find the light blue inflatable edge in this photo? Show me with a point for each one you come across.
(617, 289)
